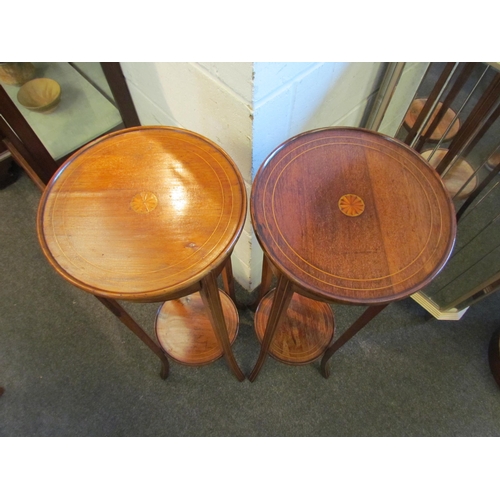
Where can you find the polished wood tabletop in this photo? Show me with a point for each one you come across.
(343, 215)
(142, 213)
(152, 214)
(352, 216)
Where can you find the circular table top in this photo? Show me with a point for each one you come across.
(352, 216)
(142, 213)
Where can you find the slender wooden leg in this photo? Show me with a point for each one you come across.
(210, 295)
(265, 283)
(129, 322)
(228, 279)
(228, 283)
(282, 296)
(494, 356)
(362, 321)
(2, 390)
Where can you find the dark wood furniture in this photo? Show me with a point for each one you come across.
(9, 171)
(349, 216)
(26, 147)
(469, 164)
(494, 356)
(151, 214)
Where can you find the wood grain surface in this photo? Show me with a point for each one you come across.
(185, 332)
(392, 249)
(304, 333)
(142, 213)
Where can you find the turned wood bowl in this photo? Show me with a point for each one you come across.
(41, 95)
(12, 73)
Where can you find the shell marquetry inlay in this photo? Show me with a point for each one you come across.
(144, 202)
(351, 205)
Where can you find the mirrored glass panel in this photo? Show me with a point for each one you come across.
(66, 104)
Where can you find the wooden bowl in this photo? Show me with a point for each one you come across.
(456, 176)
(16, 73)
(41, 95)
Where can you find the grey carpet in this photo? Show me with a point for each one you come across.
(69, 368)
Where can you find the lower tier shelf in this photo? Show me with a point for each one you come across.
(185, 332)
(304, 334)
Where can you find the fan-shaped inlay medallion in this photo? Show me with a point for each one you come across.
(144, 202)
(351, 205)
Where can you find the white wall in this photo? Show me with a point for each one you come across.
(290, 98)
(212, 99)
(403, 95)
(251, 108)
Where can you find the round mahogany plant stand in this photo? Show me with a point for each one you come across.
(152, 214)
(343, 215)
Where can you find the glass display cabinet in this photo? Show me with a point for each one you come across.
(51, 109)
(450, 114)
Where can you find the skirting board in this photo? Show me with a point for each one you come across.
(430, 306)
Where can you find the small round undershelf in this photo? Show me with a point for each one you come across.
(415, 109)
(457, 176)
(305, 333)
(185, 333)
